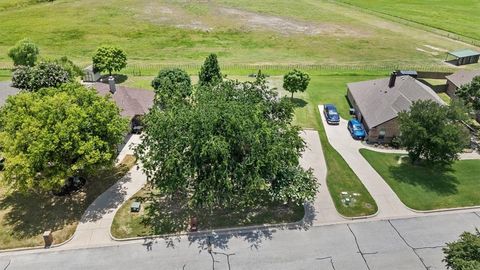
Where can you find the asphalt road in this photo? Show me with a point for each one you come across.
(410, 244)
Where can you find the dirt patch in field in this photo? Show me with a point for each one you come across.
(286, 26)
(217, 18)
(170, 15)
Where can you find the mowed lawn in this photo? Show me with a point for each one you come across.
(459, 16)
(424, 188)
(247, 31)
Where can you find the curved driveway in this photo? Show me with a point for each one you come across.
(389, 205)
(94, 226)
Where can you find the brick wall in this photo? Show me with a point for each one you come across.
(391, 129)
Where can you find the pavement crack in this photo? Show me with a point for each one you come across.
(410, 246)
(358, 247)
(477, 214)
(8, 264)
(328, 258)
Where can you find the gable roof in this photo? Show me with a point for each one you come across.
(462, 77)
(7, 90)
(379, 103)
(131, 101)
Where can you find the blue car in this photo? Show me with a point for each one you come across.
(356, 129)
(331, 114)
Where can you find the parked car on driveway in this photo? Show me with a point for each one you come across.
(356, 129)
(331, 114)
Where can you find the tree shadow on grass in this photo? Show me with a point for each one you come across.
(169, 216)
(437, 179)
(298, 102)
(30, 214)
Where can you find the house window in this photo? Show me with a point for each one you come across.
(381, 134)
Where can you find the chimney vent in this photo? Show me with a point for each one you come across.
(111, 83)
(393, 78)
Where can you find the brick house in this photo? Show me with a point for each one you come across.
(459, 78)
(378, 102)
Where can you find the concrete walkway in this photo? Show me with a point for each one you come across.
(94, 227)
(389, 205)
(322, 211)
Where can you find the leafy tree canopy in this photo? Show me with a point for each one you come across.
(108, 58)
(433, 132)
(45, 74)
(52, 134)
(470, 93)
(464, 254)
(67, 64)
(210, 71)
(24, 53)
(233, 144)
(296, 81)
(171, 85)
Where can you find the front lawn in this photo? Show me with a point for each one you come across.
(424, 188)
(5, 75)
(24, 217)
(172, 217)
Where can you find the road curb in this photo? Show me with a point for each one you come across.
(360, 217)
(444, 210)
(39, 247)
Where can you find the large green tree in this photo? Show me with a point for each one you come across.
(210, 73)
(109, 58)
(470, 93)
(464, 254)
(49, 135)
(433, 132)
(171, 85)
(45, 74)
(296, 81)
(24, 53)
(232, 145)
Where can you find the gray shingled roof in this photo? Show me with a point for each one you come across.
(6, 90)
(379, 103)
(131, 101)
(462, 77)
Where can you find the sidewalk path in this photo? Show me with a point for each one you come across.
(94, 227)
(324, 211)
(389, 205)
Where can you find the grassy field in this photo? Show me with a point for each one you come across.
(24, 217)
(457, 16)
(174, 218)
(424, 188)
(246, 31)
(5, 75)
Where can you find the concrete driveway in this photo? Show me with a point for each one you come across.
(389, 205)
(322, 211)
